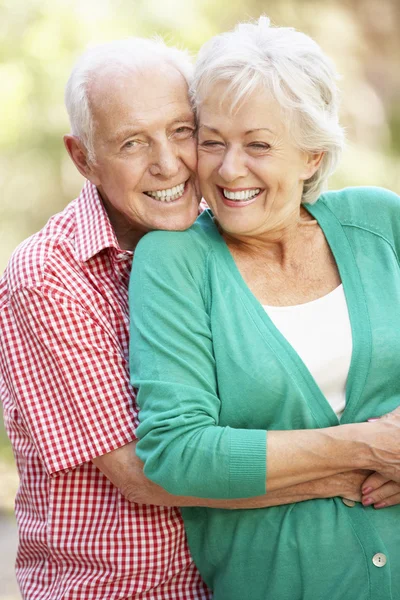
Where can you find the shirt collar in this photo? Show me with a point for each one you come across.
(94, 231)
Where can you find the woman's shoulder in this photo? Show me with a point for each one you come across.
(368, 207)
(190, 246)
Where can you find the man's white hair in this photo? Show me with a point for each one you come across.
(115, 58)
(293, 68)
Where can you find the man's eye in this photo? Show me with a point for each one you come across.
(130, 144)
(185, 131)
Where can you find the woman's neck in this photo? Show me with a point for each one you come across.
(280, 245)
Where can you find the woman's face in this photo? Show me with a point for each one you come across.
(249, 170)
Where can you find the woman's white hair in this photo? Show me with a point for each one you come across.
(113, 58)
(293, 68)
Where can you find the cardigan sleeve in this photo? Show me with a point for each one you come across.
(172, 364)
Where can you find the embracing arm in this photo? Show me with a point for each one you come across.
(125, 470)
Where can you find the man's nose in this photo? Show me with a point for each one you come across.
(233, 165)
(165, 160)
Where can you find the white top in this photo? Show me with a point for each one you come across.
(320, 333)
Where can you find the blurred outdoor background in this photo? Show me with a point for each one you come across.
(39, 42)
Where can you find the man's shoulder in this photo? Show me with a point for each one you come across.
(28, 262)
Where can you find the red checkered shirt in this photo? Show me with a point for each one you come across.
(66, 395)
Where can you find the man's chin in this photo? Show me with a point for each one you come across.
(177, 224)
(177, 220)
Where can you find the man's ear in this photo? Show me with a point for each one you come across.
(312, 163)
(80, 158)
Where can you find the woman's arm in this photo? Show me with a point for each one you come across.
(184, 448)
(296, 455)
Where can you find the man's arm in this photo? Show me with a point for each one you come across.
(125, 470)
(67, 374)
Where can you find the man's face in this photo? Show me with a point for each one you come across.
(145, 151)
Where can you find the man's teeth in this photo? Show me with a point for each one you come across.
(168, 195)
(243, 195)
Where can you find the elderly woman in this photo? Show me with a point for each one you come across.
(266, 336)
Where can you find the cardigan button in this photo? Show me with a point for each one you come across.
(349, 503)
(379, 559)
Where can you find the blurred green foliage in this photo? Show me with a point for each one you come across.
(6, 453)
(40, 40)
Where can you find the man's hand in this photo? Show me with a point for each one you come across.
(348, 484)
(383, 439)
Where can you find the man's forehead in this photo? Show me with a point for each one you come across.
(131, 103)
(106, 84)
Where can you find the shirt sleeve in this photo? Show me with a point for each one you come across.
(180, 441)
(69, 379)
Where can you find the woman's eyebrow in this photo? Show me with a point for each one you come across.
(259, 129)
(214, 130)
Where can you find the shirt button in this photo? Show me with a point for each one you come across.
(123, 255)
(349, 503)
(379, 559)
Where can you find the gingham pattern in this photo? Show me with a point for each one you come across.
(65, 390)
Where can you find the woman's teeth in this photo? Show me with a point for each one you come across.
(168, 195)
(243, 195)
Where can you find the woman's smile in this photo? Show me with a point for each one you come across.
(239, 197)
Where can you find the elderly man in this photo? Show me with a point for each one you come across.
(90, 525)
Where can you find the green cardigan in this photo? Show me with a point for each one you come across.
(214, 374)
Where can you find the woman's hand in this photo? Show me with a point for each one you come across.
(379, 491)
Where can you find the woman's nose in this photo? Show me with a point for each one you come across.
(233, 165)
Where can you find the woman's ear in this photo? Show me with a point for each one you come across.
(313, 161)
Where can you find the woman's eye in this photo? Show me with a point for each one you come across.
(210, 143)
(260, 146)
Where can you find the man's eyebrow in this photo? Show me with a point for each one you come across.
(120, 134)
(214, 130)
(185, 117)
(132, 130)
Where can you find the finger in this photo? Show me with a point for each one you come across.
(381, 494)
(374, 481)
(391, 501)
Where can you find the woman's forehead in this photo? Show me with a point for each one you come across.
(258, 110)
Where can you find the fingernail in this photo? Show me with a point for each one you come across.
(367, 501)
(373, 419)
(380, 505)
(366, 490)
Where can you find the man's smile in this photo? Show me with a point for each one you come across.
(169, 194)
